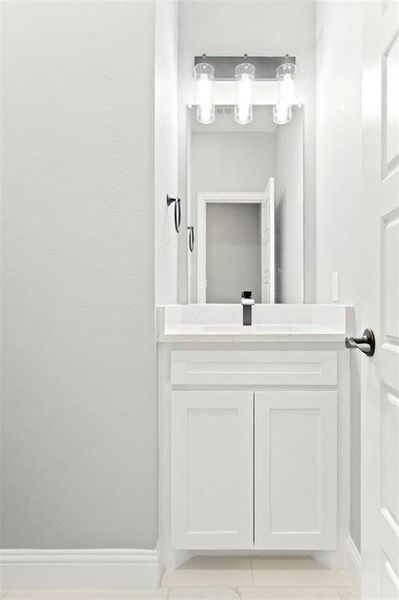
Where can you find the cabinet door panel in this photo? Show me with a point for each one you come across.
(212, 469)
(296, 470)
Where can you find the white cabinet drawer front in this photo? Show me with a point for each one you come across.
(205, 367)
(212, 469)
(296, 470)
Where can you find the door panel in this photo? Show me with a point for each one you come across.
(212, 469)
(295, 470)
(268, 261)
(390, 90)
(390, 259)
(389, 581)
(380, 375)
(389, 308)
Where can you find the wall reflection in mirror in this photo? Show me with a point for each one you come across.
(245, 203)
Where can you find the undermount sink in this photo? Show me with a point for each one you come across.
(223, 322)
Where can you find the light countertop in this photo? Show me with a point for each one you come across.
(271, 323)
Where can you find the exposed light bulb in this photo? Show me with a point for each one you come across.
(205, 106)
(204, 75)
(243, 111)
(282, 111)
(287, 91)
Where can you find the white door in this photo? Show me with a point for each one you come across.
(380, 374)
(296, 470)
(268, 266)
(212, 469)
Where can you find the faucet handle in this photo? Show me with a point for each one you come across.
(246, 298)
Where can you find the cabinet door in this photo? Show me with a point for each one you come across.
(296, 470)
(212, 470)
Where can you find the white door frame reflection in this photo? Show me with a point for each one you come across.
(268, 264)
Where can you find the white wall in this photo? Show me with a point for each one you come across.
(341, 221)
(257, 28)
(79, 400)
(289, 210)
(231, 162)
(166, 91)
(228, 162)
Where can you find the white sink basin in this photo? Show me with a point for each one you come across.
(221, 328)
(223, 322)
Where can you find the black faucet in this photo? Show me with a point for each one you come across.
(247, 302)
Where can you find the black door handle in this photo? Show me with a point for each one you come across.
(365, 344)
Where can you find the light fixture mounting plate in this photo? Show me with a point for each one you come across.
(265, 65)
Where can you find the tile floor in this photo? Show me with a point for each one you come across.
(230, 578)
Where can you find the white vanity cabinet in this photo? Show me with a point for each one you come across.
(295, 470)
(212, 469)
(254, 467)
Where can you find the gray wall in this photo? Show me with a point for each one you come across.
(233, 249)
(79, 400)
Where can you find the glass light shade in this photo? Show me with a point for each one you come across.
(287, 90)
(282, 111)
(286, 68)
(243, 111)
(203, 76)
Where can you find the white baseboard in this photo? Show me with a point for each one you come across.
(83, 569)
(353, 563)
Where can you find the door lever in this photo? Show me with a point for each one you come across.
(366, 343)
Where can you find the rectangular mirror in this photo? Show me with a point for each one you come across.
(245, 205)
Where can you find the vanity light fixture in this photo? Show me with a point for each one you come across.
(204, 75)
(244, 74)
(222, 68)
(282, 111)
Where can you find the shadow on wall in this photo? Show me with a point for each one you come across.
(355, 433)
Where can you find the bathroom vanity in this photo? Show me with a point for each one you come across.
(253, 427)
